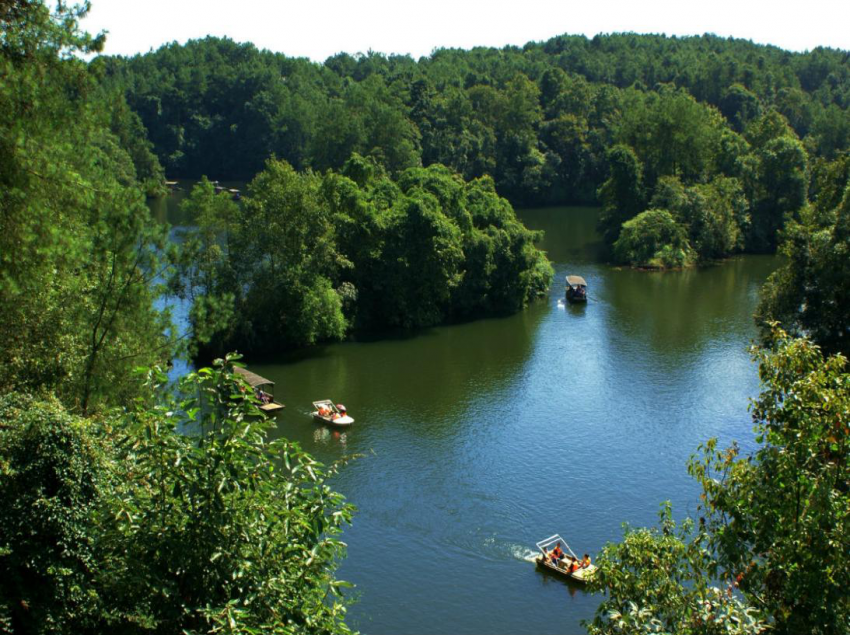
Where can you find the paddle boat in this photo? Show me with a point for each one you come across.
(332, 414)
(566, 564)
(576, 289)
(263, 388)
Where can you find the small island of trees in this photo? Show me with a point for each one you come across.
(306, 258)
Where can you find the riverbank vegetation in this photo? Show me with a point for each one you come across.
(126, 509)
(167, 517)
(810, 293)
(133, 506)
(767, 551)
(737, 128)
(308, 258)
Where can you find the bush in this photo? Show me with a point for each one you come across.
(653, 239)
(53, 482)
(178, 517)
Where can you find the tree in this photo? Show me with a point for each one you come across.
(78, 248)
(171, 516)
(778, 519)
(714, 214)
(54, 480)
(739, 106)
(777, 184)
(810, 293)
(672, 134)
(224, 530)
(772, 527)
(622, 194)
(261, 272)
(660, 581)
(566, 137)
(653, 239)
(430, 247)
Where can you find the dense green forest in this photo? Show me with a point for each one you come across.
(538, 119)
(129, 505)
(306, 258)
(380, 199)
(695, 148)
(723, 135)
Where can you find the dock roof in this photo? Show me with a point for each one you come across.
(253, 378)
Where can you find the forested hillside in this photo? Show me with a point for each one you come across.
(707, 145)
(538, 119)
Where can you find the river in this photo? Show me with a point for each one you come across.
(479, 439)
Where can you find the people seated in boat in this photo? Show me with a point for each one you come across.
(585, 562)
(323, 412)
(556, 554)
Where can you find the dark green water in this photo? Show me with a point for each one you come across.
(482, 438)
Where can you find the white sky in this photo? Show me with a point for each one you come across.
(320, 28)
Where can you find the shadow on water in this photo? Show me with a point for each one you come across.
(570, 233)
(425, 380)
(684, 311)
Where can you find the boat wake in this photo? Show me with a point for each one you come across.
(523, 553)
(512, 550)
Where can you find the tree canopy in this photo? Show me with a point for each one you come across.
(173, 516)
(769, 549)
(810, 293)
(306, 258)
(548, 122)
(79, 251)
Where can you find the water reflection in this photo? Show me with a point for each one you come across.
(425, 382)
(325, 435)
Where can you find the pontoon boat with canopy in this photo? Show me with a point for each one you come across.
(263, 388)
(576, 289)
(568, 565)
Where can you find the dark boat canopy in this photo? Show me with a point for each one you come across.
(576, 280)
(252, 378)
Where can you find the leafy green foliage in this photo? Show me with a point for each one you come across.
(174, 517)
(54, 479)
(773, 525)
(810, 293)
(778, 519)
(776, 177)
(659, 581)
(671, 134)
(306, 258)
(538, 119)
(713, 213)
(224, 529)
(622, 193)
(653, 239)
(549, 123)
(78, 249)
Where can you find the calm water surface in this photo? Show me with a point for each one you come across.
(480, 439)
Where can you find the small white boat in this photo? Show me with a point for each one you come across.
(568, 564)
(332, 414)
